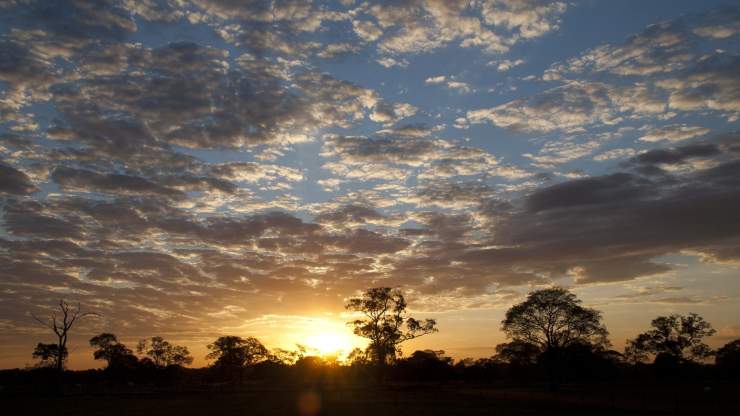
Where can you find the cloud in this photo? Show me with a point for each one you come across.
(408, 131)
(388, 114)
(450, 83)
(633, 221)
(453, 195)
(435, 80)
(27, 72)
(352, 215)
(396, 158)
(462, 87)
(619, 153)
(572, 106)
(83, 180)
(24, 218)
(493, 26)
(390, 62)
(14, 181)
(562, 151)
(674, 133)
(669, 61)
(188, 106)
(711, 84)
(184, 94)
(721, 23)
(506, 64)
(158, 181)
(366, 30)
(255, 172)
(128, 120)
(664, 47)
(531, 18)
(336, 49)
(357, 150)
(649, 213)
(654, 161)
(659, 48)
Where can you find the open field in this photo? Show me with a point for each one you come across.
(398, 400)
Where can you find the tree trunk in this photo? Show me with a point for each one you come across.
(61, 347)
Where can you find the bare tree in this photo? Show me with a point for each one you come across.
(61, 325)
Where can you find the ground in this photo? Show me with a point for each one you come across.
(387, 401)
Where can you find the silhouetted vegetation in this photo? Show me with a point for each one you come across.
(61, 325)
(554, 342)
(728, 360)
(553, 323)
(163, 354)
(233, 354)
(384, 323)
(673, 339)
(118, 357)
(49, 355)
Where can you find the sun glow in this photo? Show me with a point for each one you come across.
(323, 336)
(329, 344)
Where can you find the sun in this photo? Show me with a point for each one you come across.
(329, 343)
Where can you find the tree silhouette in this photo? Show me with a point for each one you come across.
(47, 354)
(61, 325)
(237, 351)
(425, 365)
(727, 359)
(164, 354)
(384, 310)
(116, 354)
(517, 353)
(358, 356)
(233, 353)
(283, 356)
(553, 320)
(675, 337)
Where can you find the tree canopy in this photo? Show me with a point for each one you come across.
(164, 354)
(108, 348)
(680, 337)
(518, 353)
(234, 351)
(554, 318)
(48, 354)
(385, 323)
(728, 358)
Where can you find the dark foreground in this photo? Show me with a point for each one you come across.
(403, 400)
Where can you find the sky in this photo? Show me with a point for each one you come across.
(197, 168)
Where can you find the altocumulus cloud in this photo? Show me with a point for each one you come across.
(167, 180)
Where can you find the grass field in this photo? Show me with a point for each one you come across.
(399, 400)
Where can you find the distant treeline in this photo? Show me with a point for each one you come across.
(553, 340)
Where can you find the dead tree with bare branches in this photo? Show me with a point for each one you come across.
(61, 325)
